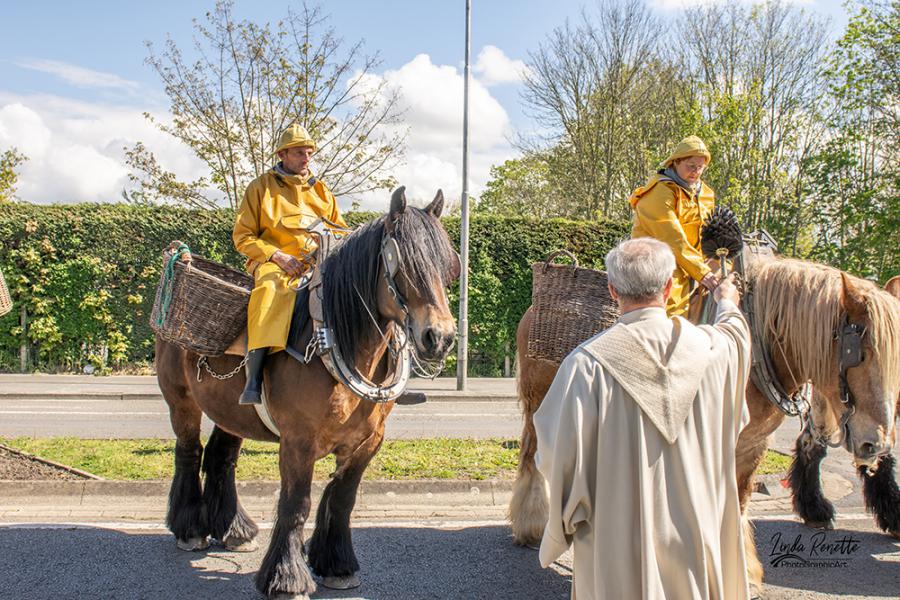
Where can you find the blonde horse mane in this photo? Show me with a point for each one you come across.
(799, 304)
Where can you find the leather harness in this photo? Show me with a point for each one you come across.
(849, 337)
(323, 344)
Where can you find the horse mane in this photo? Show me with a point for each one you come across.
(350, 273)
(799, 303)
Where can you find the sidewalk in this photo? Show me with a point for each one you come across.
(136, 387)
(420, 499)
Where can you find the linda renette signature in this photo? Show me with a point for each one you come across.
(816, 547)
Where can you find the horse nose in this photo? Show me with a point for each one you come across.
(868, 450)
(436, 341)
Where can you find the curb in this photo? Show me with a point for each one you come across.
(768, 485)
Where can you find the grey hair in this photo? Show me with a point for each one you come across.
(639, 269)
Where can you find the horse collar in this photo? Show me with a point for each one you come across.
(323, 344)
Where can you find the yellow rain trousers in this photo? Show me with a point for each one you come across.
(274, 215)
(667, 212)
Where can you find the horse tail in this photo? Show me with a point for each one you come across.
(528, 506)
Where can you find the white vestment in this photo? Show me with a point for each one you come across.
(636, 439)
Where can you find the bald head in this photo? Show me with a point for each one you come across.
(640, 270)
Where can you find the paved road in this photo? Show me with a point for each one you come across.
(411, 561)
(113, 418)
(132, 407)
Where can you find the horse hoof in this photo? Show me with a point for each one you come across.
(347, 582)
(236, 545)
(826, 525)
(193, 544)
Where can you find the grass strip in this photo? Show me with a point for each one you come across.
(143, 459)
(438, 458)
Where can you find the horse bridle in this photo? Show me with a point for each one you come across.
(322, 342)
(391, 260)
(849, 338)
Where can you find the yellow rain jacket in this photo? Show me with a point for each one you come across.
(274, 215)
(667, 212)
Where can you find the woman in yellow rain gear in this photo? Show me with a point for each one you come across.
(671, 207)
(270, 231)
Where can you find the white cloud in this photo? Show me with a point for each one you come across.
(493, 67)
(432, 98)
(79, 76)
(75, 149)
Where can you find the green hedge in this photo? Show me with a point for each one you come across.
(86, 275)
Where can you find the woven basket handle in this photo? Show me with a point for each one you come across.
(559, 253)
(180, 248)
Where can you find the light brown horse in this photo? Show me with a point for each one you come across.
(823, 429)
(314, 414)
(799, 307)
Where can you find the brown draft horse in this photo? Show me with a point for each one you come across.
(799, 307)
(314, 414)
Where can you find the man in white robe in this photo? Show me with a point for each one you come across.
(636, 440)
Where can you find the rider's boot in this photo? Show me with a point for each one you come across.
(252, 393)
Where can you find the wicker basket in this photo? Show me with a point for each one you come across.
(5, 300)
(570, 304)
(207, 304)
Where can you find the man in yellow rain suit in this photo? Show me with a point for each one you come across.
(671, 207)
(270, 231)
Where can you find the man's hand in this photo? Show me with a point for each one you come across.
(288, 264)
(727, 290)
(710, 281)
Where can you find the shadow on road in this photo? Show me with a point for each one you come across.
(839, 562)
(397, 563)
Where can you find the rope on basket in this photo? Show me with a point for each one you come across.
(168, 278)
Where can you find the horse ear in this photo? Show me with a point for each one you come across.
(398, 205)
(892, 287)
(853, 300)
(437, 205)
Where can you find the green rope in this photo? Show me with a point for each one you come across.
(168, 279)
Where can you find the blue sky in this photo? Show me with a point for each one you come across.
(73, 83)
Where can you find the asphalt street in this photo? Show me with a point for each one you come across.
(132, 407)
(414, 545)
(408, 561)
(113, 418)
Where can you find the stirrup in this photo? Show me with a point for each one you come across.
(250, 398)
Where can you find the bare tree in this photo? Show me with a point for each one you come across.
(248, 82)
(755, 74)
(608, 96)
